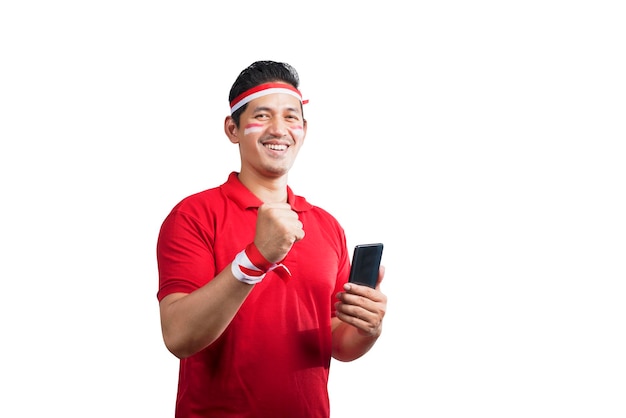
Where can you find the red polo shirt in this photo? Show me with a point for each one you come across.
(273, 359)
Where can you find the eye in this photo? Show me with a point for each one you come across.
(262, 116)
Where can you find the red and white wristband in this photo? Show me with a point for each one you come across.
(250, 267)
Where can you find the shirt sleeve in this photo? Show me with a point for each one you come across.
(185, 255)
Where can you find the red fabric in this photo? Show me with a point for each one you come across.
(256, 258)
(262, 87)
(273, 359)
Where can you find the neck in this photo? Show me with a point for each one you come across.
(268, 190)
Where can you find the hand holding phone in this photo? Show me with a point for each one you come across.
(365, 264)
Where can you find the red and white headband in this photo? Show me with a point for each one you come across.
(263, 90)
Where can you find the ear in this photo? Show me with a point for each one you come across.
(231, 130)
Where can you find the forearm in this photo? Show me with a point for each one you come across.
(191, 322)
(349, 343)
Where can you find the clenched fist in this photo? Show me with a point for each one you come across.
(277, 229)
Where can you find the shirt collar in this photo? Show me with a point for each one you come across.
(244, 198)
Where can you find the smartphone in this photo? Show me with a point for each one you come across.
(365, 264)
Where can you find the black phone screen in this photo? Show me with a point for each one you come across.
(365, 264)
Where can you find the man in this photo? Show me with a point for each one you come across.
(253, 290)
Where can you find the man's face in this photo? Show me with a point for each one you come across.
(270, 134)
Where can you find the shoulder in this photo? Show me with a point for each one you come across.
(204, 200)
(199, 201)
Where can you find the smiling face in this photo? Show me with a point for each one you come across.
(270, 133)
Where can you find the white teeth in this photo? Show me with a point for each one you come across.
(276, 147)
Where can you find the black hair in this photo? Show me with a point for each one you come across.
(261, 72)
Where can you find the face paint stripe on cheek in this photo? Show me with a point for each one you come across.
(297, 130)
(252, 127)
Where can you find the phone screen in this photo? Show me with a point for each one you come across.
(365, 264)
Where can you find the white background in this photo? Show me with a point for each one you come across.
(482, 142)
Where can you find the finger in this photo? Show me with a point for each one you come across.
(299, 230)
(353, 316)
(381, 275)
(362, 314)
(275, 205)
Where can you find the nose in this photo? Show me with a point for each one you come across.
(278, 128)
